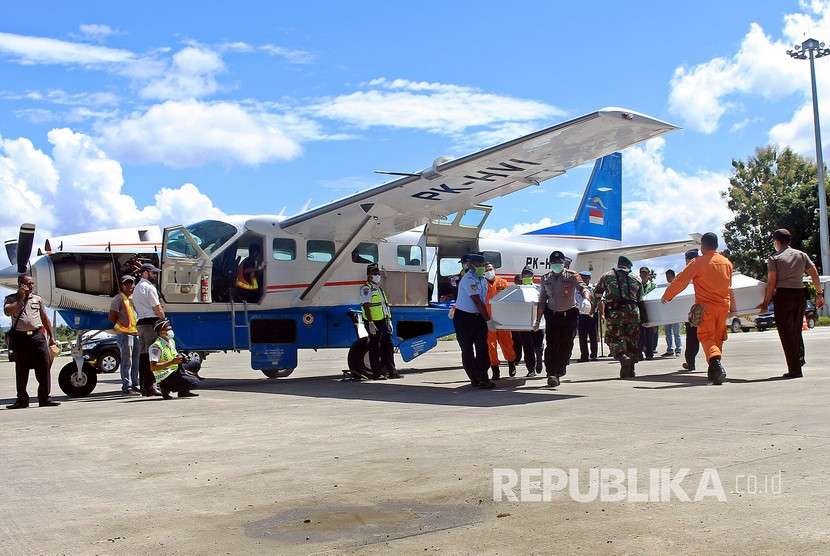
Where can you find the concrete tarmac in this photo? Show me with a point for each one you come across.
(310, 464)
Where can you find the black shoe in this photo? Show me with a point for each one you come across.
(496, 372)
(511, 368)
(49, 403)
(188, 394)
(165, 394)
(582, 360)
(136, 389)
(687, 367)
(18, 405)
(717, 374)
(594, 358)
(487, 385)
(530, 374)
(553, 381)
(154, 392)
(395, 374)
(379, 376)
(791, 375)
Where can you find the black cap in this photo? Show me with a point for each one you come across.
(475, 258)
(691, 254)
(527, 271)
(149, 267)
(557, 257)
(161, 324)
(373, 269)
(709, 239)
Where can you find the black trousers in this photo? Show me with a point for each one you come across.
(789, 315)
(560, 329)
(381, 351)
(692, 345)
(471, 333)
(531, 345)
(587, 333)
(179, 381)
(31, 352)
(648, 340)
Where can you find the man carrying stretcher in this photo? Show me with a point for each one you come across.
(711, 274)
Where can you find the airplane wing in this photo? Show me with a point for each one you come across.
(451, 186)
(642, 252)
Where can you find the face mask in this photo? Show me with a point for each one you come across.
(170, 335)
(557, 268)
(479, 271)
(527, 281)
(490, 275)
(375, 278)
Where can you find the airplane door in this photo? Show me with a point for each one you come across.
(453, 237)
(185, 268)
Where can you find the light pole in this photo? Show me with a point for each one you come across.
(812, 49)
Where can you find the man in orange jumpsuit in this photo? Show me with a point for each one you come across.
(711, 274)
(495, 338)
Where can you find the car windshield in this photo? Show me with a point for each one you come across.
(210, 235)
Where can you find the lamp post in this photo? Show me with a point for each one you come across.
(810, 50)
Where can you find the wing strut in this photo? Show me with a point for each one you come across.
(332, 265)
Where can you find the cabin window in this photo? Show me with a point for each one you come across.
(410, 255)
(473, 218)
(492, 257)
(365, 253)
(319, 250)
(284, 249)
(449, 266)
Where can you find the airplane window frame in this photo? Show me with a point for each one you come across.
(493, 257)
(408, 258)
(293, 251)
(320, 242)
(373, 251)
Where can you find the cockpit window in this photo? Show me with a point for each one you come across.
(211, 234)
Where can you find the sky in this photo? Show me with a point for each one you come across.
(113, 114)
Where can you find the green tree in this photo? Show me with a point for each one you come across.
(774, 189)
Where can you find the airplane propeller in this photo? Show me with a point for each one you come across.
(24, 247)
(11, 250)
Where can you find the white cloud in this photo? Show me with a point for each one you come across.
(290, 55)
(79, 188)
(26, 49)
(668, 204)
(192, 133)
(517, 229)
(96, 31)
(61, 97)
(703, 94)
(192, 74)
(466, 113)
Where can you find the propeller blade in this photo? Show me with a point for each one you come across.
(11, 250)
(24, 246)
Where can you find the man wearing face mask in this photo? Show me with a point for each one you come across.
(470, 320)
(557, 304)
(531, 340)
(170, 368)
(497, 338)
(378, 319)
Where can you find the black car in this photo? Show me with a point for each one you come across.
(102, 352)
(767, 320)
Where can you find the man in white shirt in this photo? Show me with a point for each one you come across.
(148, 310)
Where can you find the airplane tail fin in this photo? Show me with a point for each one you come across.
(600, 212)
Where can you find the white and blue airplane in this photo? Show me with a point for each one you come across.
(416, 228)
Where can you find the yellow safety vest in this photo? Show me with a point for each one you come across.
(242, 282)
(378, 306)
(131, 318)
(168, 353)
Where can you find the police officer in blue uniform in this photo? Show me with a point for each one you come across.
(470, 320)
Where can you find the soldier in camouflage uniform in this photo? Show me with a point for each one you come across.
(621, 292)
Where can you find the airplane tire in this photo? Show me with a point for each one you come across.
(277, 373)
(359, 356)
(77, 386)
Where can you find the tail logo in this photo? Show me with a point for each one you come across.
(596, 211)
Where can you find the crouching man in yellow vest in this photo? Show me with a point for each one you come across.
(378, 320)
(165, 362)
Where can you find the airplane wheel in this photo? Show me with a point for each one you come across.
(277, 373)
(77, 385)
(359, 356)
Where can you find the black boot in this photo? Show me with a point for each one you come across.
(511, 368)
(717, 374)
(496, 372)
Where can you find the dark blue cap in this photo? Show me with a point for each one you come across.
(557, 257)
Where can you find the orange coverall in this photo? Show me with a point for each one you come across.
(711, 275)
(502, 338)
